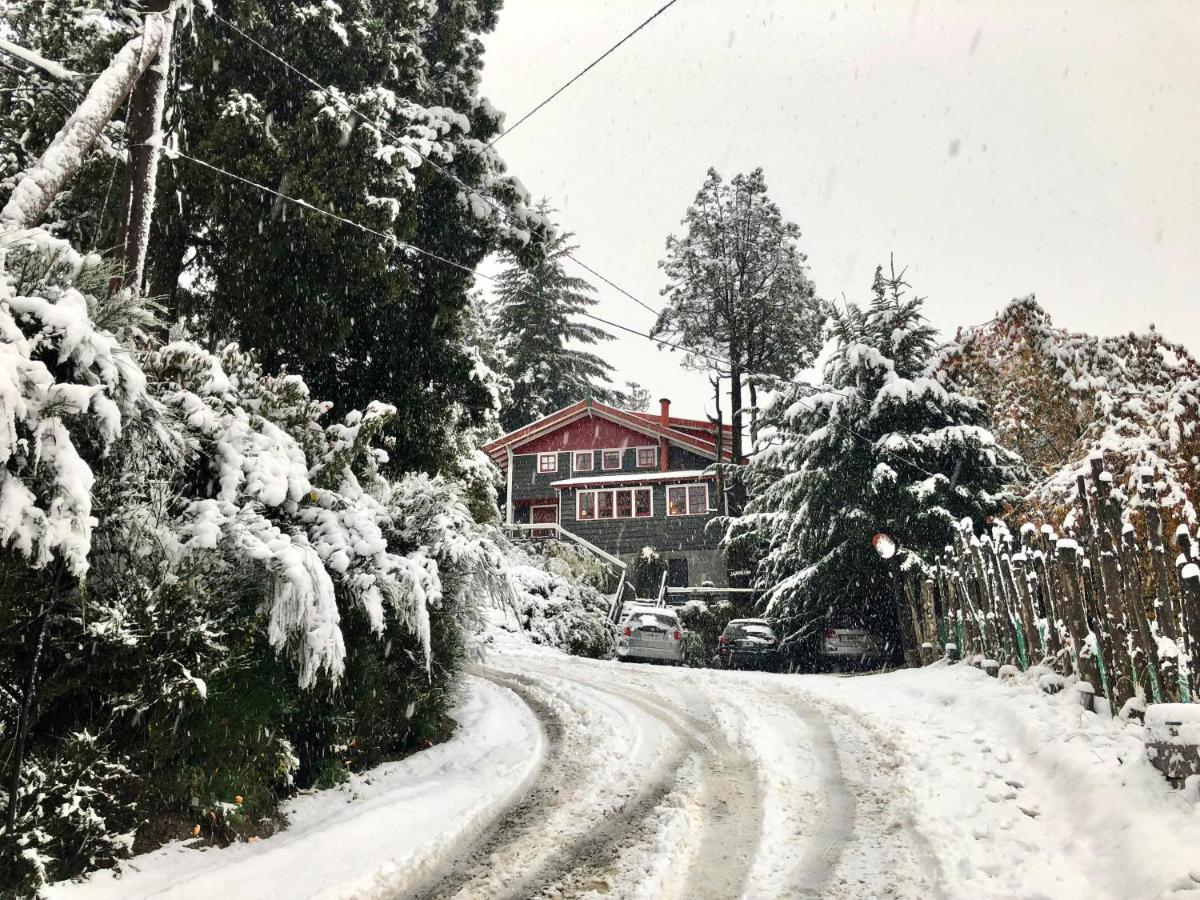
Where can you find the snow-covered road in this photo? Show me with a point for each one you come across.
(572, 777)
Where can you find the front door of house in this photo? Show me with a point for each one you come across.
(677, 573)
(542, 515)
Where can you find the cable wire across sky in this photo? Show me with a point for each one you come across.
(404, 245)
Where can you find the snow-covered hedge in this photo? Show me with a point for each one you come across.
(225, 581)
(559, 612)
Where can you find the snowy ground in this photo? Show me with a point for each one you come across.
(653, 782)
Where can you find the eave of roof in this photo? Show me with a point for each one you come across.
(633, 478)
(637, 421)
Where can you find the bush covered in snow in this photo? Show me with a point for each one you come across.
(559, 612)
(1058, 396)
(201, 569)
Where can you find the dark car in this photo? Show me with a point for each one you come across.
(748, 644)
(848, 649)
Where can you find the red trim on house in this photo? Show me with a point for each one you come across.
(643, 422)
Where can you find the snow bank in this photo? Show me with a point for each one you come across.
(1024, 794)
(373, 837)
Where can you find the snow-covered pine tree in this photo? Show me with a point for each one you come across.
(882, 447)
(538, 328)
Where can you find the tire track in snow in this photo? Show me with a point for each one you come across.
(886, 852)
(732, 805)
(522, 855)
(825, 849)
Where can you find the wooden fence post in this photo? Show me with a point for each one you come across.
(1067, 557)
(1164, 612)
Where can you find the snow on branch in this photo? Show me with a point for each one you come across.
(40, 184)
(31, 58)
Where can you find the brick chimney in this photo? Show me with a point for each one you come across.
(664, 419)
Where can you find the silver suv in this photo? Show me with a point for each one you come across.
(650, 633)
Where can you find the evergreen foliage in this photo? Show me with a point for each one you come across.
(358, 318)
(223, 594)
(539, 331)
(883, 447)
(738, 293)
(1058, 396)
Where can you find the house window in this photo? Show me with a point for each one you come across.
(619, 503)
(547, 462)
(643, 503)
(611, 459)
(647, 457)
(604, 504)
(584, 461)
(687, 499)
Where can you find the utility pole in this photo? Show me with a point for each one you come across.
(38, 185)
(145, 146)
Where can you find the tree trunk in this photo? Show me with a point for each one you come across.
(141, 173)
(38, 185)
(735, 410)
(753, 417)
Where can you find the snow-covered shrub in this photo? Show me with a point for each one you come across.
(75, 814)
(571, 562)
(243, 601)
(66, 386)
(560, 613)
(704, 623)
(1058, 396)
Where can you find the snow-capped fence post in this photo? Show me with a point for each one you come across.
(1020, 575)
(38, 185)
(1106, 606)
(1052, 600)
(1189, 596)
(1067, 557)
(1002, 642)
(1145, 657)
(1164, 613)
(982, 643)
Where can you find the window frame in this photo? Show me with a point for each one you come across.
(541, 470)
(653, 464)
(604, 466)
(687, 487)
(631, 492)
(591, 455)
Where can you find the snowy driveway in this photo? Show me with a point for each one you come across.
(573, 777)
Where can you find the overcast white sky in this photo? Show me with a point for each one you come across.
(996, 149)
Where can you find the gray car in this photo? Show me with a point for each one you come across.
(843, 649)
(650, 633)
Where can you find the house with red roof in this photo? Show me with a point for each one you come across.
(620, 481)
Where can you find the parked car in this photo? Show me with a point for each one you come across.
(748, 644)
(649, 633)
(844, 649)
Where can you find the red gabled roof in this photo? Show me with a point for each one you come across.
(680, 431)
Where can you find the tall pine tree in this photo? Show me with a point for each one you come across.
(883, 447)
(539, 328)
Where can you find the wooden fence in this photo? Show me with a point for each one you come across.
(1103, 598)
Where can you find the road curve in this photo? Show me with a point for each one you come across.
(689, 784)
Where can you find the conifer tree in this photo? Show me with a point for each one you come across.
(539, 328)
(883, 447)
(738, 296)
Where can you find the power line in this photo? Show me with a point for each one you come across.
(595, 62)
(391, 239)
